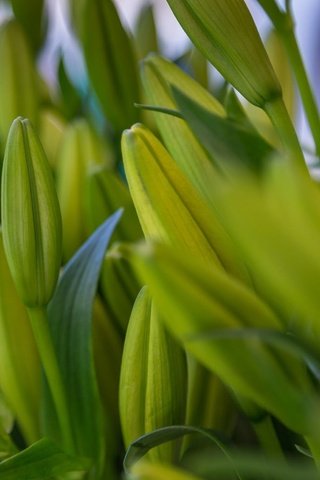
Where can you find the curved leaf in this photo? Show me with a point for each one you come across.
(70, 316)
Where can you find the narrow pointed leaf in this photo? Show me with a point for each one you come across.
(142, 445)
(232, 145)
(70, 316)
(159, 77)
(41, 461)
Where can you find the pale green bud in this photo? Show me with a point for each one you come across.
(31, 218)
(153, 378)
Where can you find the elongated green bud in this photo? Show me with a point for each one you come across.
(168, 206)
(158, 187)
(18, 78)
(80, 149)
(225, 33)
(153, 378)
(30, 216)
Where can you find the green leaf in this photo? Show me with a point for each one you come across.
(142, 445)
(70, 316)
(251, 465)
(71, 100)
(231, 144)
(159, 76)
(41, 461)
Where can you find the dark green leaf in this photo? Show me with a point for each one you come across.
(71, 101)
(40, 461)
(70, 316)
(229, 143)
(251, 465)
(142, 445)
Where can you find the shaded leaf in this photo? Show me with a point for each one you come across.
(231, 144)
(70, 316)
(41, 461)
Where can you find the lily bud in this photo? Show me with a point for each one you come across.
(31, 218)
(225, 33)
(153, 378)
(81, 148)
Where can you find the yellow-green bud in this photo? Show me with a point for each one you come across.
(153, 378)
(225, 33)
(31, 218)
(81, 148)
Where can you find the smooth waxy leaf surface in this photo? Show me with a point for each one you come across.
(70, 317)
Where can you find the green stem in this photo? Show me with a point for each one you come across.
(279, 116)
(284, 24)
(307, 96)
(268, 438)
(40, 327)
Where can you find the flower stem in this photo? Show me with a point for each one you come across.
(268, 438)
(41, 331)
(307, 96)
(279, 116)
